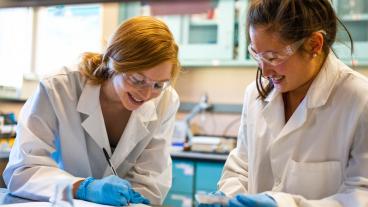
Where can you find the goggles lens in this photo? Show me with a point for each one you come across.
(275, 58)
(140, 81)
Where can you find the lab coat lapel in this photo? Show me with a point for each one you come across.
(322, 87)
(136, 130)
(296, 120)
(284, 145)
(273, 113)
(274, 116)
(316, 96)
(94, 125)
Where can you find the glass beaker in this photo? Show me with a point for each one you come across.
(63, 195)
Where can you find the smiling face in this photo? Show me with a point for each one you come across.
(132, 96)
(294, 72)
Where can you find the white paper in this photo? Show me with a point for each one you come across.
(77, 203)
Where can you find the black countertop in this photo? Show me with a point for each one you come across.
(199, 156)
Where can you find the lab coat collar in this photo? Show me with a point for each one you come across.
(89, 99)
(317, 96)
(86, 105)
(274, 116)
(273, 112)
(94, 124)
(273, 94)
(147, 112)
(135, 131)
(323, 84)
(89, 104)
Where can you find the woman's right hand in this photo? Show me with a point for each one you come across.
(110, 190)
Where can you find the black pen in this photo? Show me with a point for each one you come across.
(109, 161)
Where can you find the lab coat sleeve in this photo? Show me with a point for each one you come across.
(31, 172)
(354, 190)
(234, 179)
(152, 172)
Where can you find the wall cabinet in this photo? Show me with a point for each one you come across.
(220, 39)
(212, 38)
(201, 34)
(354, 15)
(191, 176)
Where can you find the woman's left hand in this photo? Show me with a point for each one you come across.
(258, 200)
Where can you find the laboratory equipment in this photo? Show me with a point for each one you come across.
(63, 196)
(212, 144)
(203, 105)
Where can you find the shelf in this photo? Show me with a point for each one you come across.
(253, 64)
(357, 63)
(217, 108)
(199, 156)
(4, 155)
(12, 100)
(203, 22)
(219, 63)
(355, 17)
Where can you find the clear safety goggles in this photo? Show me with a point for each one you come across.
(142, 82)
(276, 58)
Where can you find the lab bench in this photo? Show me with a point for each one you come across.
(193, 172)
(3, 161)
(6, 198)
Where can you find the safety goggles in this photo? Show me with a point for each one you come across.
(142, 82)
(276, 58)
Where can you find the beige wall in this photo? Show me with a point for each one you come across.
(6, 107)
(223, 85)
(363, 71)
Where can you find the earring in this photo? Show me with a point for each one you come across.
(314, 55)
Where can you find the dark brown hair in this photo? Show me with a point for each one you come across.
(138, 44)
(293, 20)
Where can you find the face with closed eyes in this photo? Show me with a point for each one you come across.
(281, 62)
(135, 88)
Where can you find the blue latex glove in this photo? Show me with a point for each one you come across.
(110, 190)
(215, 204)
(258, 200)
(136, 197)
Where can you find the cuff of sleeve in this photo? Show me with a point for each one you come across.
(82, 190)
(282, 199)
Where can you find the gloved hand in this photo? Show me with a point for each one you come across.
(110, 190)
(136, 197)
(214, 204)
(258, 200)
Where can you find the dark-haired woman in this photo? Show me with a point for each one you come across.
(303, 139)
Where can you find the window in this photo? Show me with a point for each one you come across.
(64, 33)
(42, 40)
(15, 49)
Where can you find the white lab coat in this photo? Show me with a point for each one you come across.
(319, 157)
(61, 133)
